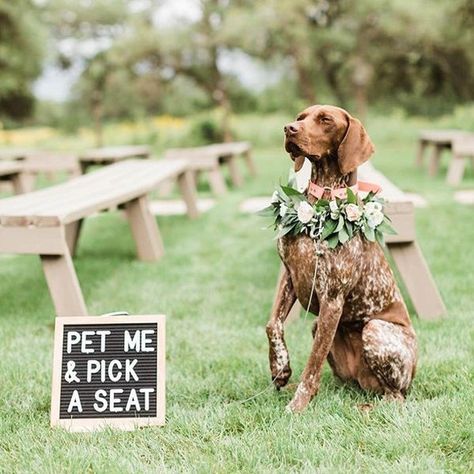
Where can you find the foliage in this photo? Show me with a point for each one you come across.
(206, 130)
(335, 221)
(21, 54)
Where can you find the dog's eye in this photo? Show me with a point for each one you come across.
(326, 119)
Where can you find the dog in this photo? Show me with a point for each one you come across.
(363, 327)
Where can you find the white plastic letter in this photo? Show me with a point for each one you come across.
(75, 402)
(114, 400)
(73, 337)
(100, 397)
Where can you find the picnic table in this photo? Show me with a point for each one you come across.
(12, 171)
(112, 154)
(403, 248)
(48, 222)
(439, 140)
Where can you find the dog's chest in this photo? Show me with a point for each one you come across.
(335, 270)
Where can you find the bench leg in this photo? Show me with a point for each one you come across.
(250, 163)
(63, 285)
(19, 183)
(434, 160)
(73, 230)
(455, 170)
(144, 230)
(235, 175)
(187, 187)
(216, 181)
(420, 153)
(418, 279)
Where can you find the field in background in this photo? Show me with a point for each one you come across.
(216, 284)
(166, 131)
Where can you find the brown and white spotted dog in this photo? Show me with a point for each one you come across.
(363, 327)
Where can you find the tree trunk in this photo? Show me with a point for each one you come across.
(222, 101)
(306, 84)
(97, 113)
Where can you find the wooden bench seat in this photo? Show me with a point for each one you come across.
(403, 248)
(48, 222)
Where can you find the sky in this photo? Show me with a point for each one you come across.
(55, 84)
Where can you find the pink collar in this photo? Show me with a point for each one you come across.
(341, 193)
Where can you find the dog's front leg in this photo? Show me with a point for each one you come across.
(328, 320)
(278, 352)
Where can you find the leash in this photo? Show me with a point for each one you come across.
(270, 385)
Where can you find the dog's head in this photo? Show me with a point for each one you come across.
(324, 130)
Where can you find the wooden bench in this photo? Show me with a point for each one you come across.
(112, 154)
(439, 140)
(228, 154)
(48, 222)
(201, 160)
(49, 163)
(12, 171)
(403, 248)
(207, 158)
(463, 148)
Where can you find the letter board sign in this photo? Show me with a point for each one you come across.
(108, 370)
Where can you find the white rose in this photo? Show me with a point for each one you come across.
(305, 212)
(353, 212)
(375, 219)
(275, 197)
(372, 206)
(283, 209)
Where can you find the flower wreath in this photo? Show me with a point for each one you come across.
(335, 221)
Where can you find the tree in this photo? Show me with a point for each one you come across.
(96, 24)
(21, 53)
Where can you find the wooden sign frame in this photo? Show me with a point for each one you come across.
(91, 424)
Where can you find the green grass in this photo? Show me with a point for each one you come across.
(216, 284)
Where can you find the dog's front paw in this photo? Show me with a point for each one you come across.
(300, 400)
(281, 377)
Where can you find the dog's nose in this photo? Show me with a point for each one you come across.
(290, 129)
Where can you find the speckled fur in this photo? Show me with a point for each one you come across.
(363, 328)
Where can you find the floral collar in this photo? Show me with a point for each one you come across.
(336, 221)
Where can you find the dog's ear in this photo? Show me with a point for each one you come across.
(355, 148)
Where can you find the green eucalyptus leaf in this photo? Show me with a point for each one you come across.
(285, 230)
(349, 229)
(289, 191)
(351, 197)
(386, 228)
(343, 235)
(333, 241)
(340, 224)
(268, 211)
(379, 237)
(329, 227)
(368, 233)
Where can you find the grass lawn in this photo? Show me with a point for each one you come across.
(216, 284)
